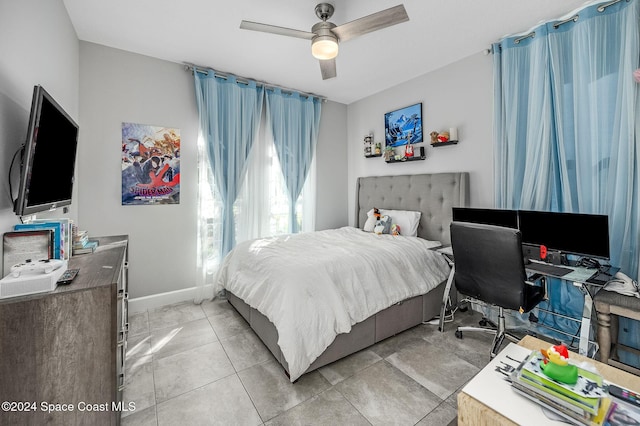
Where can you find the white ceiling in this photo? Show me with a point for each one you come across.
(206, 32)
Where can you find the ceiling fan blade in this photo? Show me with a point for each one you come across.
(328, 68)
(266, 28)
(376, 21)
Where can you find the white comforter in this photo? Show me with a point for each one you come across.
(314, 286)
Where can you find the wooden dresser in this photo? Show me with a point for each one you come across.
(62, 353)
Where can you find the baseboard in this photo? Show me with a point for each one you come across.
(141, 304)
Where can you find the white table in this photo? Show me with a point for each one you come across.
(489, 400)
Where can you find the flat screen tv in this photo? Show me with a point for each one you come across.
(48, 157)
(403, 126)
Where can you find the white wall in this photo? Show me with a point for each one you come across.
(331, 168)
(38, 45)
(118, 86)
(458, 95)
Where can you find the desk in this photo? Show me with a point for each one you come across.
(578, 277)
(474, 402)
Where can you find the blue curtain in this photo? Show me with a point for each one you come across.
(566, 128)
(294, 120)
(229, 114)
(523, 112)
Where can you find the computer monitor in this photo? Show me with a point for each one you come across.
(568, 233)
(497, 217)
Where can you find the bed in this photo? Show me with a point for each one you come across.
(278, 298)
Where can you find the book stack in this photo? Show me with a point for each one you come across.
(81, 242)
(60, 228)
(585, 403)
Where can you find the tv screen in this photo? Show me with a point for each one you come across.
(48, 157)
(570, 233)
(403, 126)
(496, 217)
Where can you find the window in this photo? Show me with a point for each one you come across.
(262, 206)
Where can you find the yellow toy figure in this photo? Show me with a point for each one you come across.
(556, 365)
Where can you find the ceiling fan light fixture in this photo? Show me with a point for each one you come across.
(324, 47)
(325, 35)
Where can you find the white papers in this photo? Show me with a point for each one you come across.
(491, 389)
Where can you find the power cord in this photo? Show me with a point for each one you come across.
(21, 152)
(447, 317)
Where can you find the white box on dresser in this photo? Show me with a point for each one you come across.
(31, 283)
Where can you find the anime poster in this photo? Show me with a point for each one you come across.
(150, 165)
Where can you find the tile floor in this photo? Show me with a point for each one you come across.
(202, 365)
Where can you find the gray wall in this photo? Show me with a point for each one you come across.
(458, 95)
(38, 45)
(115, 87)
(331, 168)
(118, 86)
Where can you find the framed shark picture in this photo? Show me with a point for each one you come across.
(403, 126)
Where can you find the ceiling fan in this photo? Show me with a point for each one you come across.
(325, 35)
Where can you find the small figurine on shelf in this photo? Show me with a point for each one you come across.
(378, 148)
(368, 140)
(434, 137)
(443, 137)
(408, 151)
(388, 153)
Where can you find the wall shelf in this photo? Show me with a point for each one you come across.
(373, 156)
(444, 143)
(405, 159)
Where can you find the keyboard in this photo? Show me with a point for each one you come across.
(545, 268)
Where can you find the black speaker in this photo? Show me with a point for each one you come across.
(422, 152)
(554, 257)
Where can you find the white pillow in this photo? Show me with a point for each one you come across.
(408, 221)
(370, 223)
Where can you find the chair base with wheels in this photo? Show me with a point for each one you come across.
(499, 332)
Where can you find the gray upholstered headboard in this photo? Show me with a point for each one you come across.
(432, 194)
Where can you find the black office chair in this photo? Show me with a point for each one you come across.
(489, 267)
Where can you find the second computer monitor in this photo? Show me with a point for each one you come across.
(569, 233)
(497, 217)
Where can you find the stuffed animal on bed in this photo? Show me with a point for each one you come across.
(372, 217)
(383, 225)
(395, 229)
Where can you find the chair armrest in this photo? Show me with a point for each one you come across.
(533, 279)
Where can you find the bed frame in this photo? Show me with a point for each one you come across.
(432, 194)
